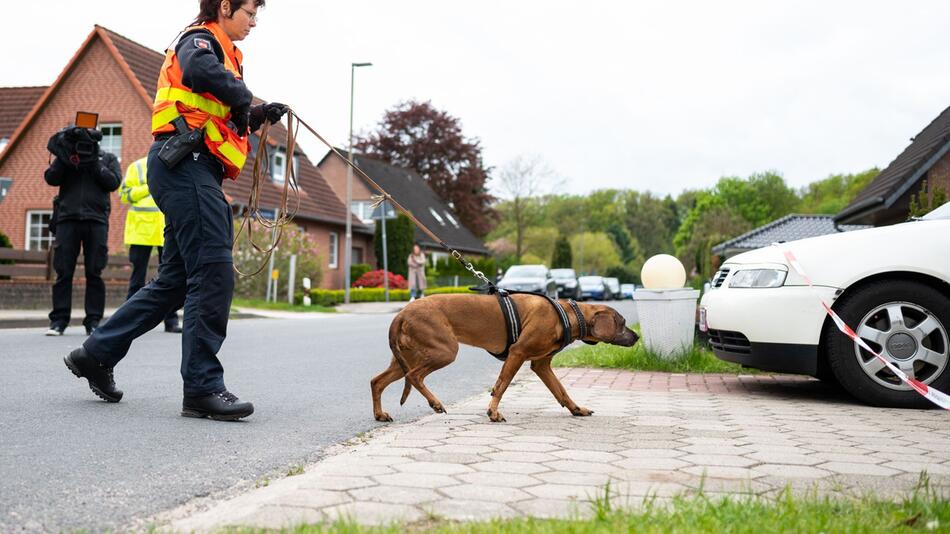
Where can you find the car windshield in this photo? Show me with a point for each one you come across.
(562, 273)
(943, 212)
(525, 271)
(590, 280)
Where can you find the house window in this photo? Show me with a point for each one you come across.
(437, 257)
(362, 209)
(3, 143)
(37, 230)
(334, 248)
(451, 219)
(112, 140)
(5, 184)
(278, 164)
(437, 216)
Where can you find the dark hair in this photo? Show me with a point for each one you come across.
(208, 9)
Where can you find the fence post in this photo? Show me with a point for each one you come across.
(456, 280)
(292, 279)
(270, 270)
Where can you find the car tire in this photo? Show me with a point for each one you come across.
(876, 305)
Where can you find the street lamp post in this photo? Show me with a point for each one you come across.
(348, 251)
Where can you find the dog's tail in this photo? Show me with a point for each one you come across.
(394, 331)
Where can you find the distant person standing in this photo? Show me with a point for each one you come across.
(85, 178)
(417, 273)
(144, 229)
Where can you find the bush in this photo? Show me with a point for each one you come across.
(562, 258)
(333, 297)
(294, 241)
(400, 233)
(625, 274)
(359, 269)
(375, 279)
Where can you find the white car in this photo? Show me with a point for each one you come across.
(890, 284)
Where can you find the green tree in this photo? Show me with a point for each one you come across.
(400, 233)
(624, 241)
(594, 252)
(652, 221)
(832, 194)
(562, 258)
(927, 199)
(539, 241)
(521, 181)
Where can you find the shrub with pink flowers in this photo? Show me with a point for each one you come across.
(375, 279)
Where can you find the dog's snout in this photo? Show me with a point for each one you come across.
(628, 338)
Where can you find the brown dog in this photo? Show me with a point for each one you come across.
(425, 336)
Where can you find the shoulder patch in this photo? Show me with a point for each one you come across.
(202, 43)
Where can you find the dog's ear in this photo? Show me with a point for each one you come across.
(603, 326)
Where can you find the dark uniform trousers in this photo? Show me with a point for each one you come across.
(93, 237)
(196, 269)
(138, 257)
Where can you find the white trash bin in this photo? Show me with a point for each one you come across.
(667, 319)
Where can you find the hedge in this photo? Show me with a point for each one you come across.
(332, 297)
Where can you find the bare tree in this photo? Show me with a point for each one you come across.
(522, 183)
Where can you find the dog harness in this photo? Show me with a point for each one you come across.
(513, 321)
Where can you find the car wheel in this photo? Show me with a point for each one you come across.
(907, 323)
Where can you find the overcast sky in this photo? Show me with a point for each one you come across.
(659, 96)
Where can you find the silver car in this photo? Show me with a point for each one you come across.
(529, 278)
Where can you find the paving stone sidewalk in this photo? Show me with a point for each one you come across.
(652, 434)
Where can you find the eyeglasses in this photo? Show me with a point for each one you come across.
(250, 14)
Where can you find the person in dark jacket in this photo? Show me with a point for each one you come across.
(201, 84)
(81, 220)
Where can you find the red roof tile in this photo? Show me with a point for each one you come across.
(15, 104)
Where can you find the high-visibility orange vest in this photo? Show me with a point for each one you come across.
(201, 110)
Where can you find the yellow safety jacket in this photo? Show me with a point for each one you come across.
(145, 223)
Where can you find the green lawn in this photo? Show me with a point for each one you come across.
(638, 358)
(922, 511)
(279, 306)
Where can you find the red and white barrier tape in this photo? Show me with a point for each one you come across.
(937, 397)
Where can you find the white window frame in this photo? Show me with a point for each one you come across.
(436, 215)
(110, 146)
(3, 143)
(28, 237)
(451, 219)
(437, 256)
(334, 255)
(277, 172)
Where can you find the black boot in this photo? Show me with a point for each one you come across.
(100, 378)
(173, 328)
(221, 406)
(91, 327)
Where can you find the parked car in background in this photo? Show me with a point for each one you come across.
(614, 285)
(593, 287)
(530, 278)
(627, 290)
(567, 286)
(890, 284)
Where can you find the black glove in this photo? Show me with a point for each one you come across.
(240, 118)
(272, 112)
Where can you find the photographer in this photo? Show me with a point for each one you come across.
(85, 177)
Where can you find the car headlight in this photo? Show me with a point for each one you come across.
(758, 278)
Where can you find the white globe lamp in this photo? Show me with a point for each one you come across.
(663, 272)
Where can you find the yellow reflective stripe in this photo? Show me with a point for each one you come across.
(193, 100)
(234, 155)
(164, 117)
(213, 133)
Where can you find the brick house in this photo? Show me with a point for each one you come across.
(117, 78)
(886, 200)
(412, 192)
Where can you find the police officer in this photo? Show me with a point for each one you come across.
(85, 178)
(200, 88)
(144, 224)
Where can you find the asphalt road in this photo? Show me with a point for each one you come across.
(69, 461)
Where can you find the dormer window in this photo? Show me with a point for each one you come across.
(451, 219)
(437, 216)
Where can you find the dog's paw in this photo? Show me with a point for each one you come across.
(438, 408)
(581, 412)
(384, 418)
(496, 417)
